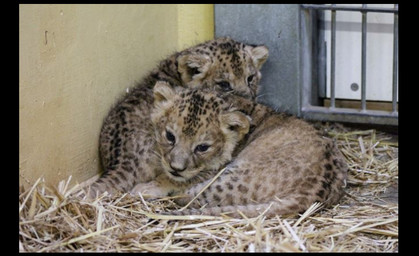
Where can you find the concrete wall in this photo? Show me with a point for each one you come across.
(74, 61)
(276, 26)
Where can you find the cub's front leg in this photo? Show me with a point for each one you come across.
(162, 186)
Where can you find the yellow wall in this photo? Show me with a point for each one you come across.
(195, 24)
(74, 61)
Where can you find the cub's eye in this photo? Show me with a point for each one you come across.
(250, 79)
(195, 71)
(170, 137)
(202, 148)
(225, 86)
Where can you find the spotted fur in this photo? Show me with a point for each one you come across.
(195, 134)
(126, 139)
(283, 166)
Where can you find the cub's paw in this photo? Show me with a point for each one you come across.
(149, 190)
(183, 200)
(97, 190)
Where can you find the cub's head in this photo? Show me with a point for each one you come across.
(224, 65)
(194, 131)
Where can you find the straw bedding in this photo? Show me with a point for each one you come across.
(61, 219)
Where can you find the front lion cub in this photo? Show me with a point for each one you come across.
(196, 133)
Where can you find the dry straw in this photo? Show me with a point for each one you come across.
(62, 219)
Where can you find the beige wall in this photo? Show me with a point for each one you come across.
(74, 61)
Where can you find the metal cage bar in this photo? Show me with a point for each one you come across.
(364, 59)
(333, 59)
(395, 58)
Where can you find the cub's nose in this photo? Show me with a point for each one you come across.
(177, 168)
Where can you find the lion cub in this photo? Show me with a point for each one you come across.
(283, 166)
(195, 135)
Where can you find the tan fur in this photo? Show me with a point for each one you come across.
(195, 134)
(127, 136)
(284, 164)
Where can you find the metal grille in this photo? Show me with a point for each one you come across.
(310, 107)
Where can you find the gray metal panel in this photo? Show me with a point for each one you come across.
(277, 27)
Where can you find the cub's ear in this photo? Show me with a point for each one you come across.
(259, 55)
(163, 92)
(236, 121)
(191, 64)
